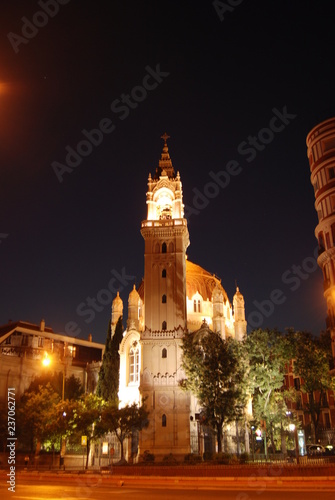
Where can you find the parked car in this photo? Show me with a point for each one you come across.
(315, 450)
(329, 450)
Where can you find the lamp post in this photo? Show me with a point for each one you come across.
(293, 428)
(46, 361)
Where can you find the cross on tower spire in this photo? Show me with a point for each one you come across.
(165, 137)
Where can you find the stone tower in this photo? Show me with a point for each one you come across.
(166, 239)
(321, 154)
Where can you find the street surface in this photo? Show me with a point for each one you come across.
(81, 488)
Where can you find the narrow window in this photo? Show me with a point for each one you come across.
(195, 306)
(134, 364)
(164, 248)
(164, 273)
(164, 299)
(164, 325)
(164, 420)
(164, 353)
(199, 306)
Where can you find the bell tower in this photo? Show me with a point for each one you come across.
(166, 239)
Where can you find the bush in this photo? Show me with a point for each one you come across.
(169, 459)
(148, 457)
(222, 458)
(192, 458)
(244, 457)
(208, 456)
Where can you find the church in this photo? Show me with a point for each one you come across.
(176, 297)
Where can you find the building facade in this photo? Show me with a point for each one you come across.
(175, 297)
(23, 346)
(321, 155)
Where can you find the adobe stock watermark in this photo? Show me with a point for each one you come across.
(3, 236)
(104, 297)
(222, 7)
(292, 278)
(121, 107)
(40, 19)
(249, 148)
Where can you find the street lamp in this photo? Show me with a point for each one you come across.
(293, 428)
(46, 361)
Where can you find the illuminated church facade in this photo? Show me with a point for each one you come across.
(175, 297)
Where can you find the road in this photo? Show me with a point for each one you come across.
(81, 488)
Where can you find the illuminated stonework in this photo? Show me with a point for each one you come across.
(175, 297)
(321, 154)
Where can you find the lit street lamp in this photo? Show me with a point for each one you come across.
(293, 428)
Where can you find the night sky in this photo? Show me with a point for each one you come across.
(237, 95)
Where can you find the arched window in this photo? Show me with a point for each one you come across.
(164, 353)
(164, 325)
(164, 420)
(134, 363)
(164, 273)
(164, 299)
(164, 248)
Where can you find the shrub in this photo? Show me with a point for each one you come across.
(208, 456)
(148, 457)
(192, 458)
(169, 459)
(244, 457)
(222, 458)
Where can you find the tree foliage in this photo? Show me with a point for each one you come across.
(123, 421)
(108, 383)
(269, 352)
(72, 385)
(215, 373)
(34, 415)
(311, 363)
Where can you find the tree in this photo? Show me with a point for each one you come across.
(269, 352)
(108, 382)
(123, 421)
(72, 385)
(311, 363)
(215, 373)
(84, 416)
(34, 414)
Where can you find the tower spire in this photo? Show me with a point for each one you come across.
(165, 163)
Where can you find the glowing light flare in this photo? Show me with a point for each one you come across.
(46, 361)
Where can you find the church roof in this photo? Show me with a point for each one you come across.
(200, 280)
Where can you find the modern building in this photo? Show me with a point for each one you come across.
(321, 154)
(24, 345)
(176, 297)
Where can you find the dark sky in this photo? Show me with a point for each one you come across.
(221, 84)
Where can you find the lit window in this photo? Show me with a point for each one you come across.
(134, 363)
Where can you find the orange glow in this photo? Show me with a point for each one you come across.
(46, 360)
